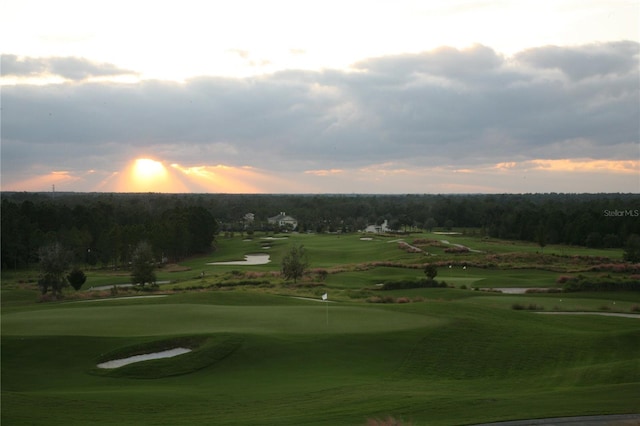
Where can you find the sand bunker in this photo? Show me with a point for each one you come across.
(145, 357)
(249, 259)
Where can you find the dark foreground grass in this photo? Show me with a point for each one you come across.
(439, 362)
(452, 356)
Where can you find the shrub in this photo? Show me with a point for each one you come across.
(456, 250)
(244, 283)
(635, 308)
(358, 294)
(517, 306)
(606, 283)
(389, 421)
(403, 300)
(564, 278)
(407, 284)
(378, 299)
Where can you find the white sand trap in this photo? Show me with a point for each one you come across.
(274, 238)
(145, 357)
(120, 298)
(249, 259)
(366, 239)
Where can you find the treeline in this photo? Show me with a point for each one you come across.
(104, 227)
(104, 230)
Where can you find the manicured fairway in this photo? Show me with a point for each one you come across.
(167, 319)
(438, 362)
(445, 356)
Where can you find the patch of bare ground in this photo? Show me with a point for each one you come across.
(174, 267)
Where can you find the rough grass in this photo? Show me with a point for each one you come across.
(451, 356)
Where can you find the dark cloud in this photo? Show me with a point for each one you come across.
(444, 61)
(70, 68)
(448, 106)
(586, 61)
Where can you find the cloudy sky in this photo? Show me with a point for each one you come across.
(349, 96)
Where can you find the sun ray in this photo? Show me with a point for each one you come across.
(148, 175)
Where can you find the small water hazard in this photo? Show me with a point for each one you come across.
(170, 353)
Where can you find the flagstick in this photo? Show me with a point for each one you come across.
(327, 302)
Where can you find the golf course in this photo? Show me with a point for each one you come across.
(497, 340)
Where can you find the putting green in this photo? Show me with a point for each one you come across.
(174, 319)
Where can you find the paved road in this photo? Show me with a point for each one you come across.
(615, 420)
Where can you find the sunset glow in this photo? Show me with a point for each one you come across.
(145, 169)
(147, 175)
(437, 96)
(573, 165)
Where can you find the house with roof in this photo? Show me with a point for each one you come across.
(378, 229)
(283, 220)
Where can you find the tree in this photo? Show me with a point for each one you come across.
(76, 278)
(541, 236)
(142, 264)
(430, 223)
(430, 271)
(55, 261)
(593, 240)
(295, 263)
(632, 249)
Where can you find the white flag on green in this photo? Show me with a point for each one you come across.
(324, 296)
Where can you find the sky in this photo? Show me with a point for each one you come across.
(349, 96)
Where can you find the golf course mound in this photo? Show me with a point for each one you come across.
(198, 352)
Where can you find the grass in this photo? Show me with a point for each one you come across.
(451, 356)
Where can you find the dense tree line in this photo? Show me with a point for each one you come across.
(104, 228)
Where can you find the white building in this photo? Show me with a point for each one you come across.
(378, 229)
(283, 220)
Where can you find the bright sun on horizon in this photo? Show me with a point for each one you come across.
(147, 169)
(148, 175)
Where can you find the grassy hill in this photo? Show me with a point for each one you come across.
(263, 356)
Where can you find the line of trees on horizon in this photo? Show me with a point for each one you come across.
(104, 228)
(102, 232)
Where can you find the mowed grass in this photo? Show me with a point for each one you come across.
(454, 357)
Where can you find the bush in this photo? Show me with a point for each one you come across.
(407, 284)
(389, 421)
(531, 307)
(582, 283)
(244, 283)
(378, 299)
(457, 250)
(564, 278)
